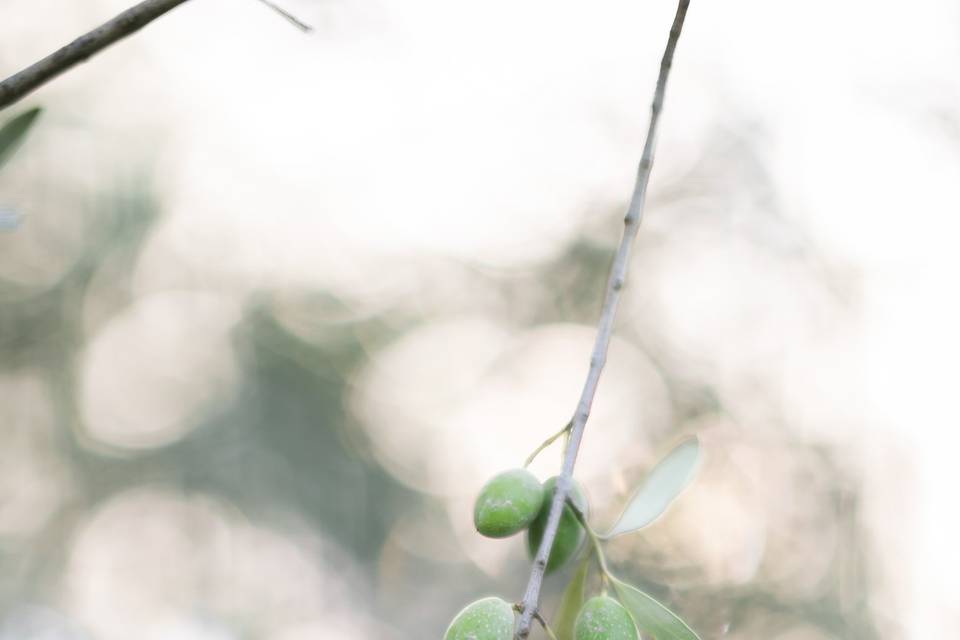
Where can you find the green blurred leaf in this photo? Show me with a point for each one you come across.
(571, 602)
(13, 132)
(667, 480)
(652, 617)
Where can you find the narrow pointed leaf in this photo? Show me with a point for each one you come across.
(667, 480)
(13, 132)
(652, 618)
(571, 602)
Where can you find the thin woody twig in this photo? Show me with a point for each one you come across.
(292, 19)
(529, 607)
(20, 84)
(546, 627)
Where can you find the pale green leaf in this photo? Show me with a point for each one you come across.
(13, 132)
(652, 618)
(667, 480)
(571, 602)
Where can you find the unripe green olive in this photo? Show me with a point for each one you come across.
(603, 618)
(508, 503)
(570, 533)
(486, 619)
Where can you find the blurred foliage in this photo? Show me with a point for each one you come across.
(286, 443)
(14, 131)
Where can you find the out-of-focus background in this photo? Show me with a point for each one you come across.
(273, 306)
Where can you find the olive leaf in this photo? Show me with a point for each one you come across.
(571, 602)
(13, 132)
(652, 617)
(667, 480)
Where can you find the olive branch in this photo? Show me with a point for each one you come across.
(529, 606)
(663, 483)
(89, 44)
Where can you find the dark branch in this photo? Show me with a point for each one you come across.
(20, 84)
(292, 19)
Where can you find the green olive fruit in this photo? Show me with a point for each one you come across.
(570, 533)
(603, 618)
(508, 503)
(486, 619)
